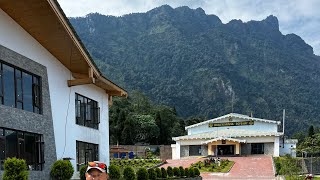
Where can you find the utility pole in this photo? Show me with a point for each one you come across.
(232, 101)
(283, 120)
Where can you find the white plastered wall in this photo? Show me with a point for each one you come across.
(258, 126)
(17, 39)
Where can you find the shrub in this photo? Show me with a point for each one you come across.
(82, 171)
(186, 172)
(278, 167)
(128, 173)
(62, 170)
(114, 172)
(142, 174)
(191, 172)
(164, 173)
(196, 172)
(158, 172)
(169, 171)
(15, 169)
(181, 171)
(152, 174)
(176, 172)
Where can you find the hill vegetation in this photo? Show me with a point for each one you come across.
(191, 61)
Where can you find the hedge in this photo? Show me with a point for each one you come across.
(176, 172)
(169, 171)
(128, 173)
(152, 174)
(15, 169)
(164, 173)
(114, 172)
(62, 170)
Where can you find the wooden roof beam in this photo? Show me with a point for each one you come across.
(77, 82)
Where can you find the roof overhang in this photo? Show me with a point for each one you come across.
(206, 136)
(45, 21)
(223, 138)
(233, 115)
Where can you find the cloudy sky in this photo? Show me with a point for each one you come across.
(301, 17)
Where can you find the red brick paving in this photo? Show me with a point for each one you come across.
(251, 167)
(182, 162)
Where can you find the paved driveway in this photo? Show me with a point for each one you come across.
(251, 167)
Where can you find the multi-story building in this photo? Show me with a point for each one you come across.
(54, 101)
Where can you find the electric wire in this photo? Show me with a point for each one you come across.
(66, 119)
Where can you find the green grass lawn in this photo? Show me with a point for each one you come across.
(224, 167)
(299, 178)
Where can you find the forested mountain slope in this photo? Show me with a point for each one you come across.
(189, 60)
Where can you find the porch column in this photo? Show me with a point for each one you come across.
(237, 148)
(178, 144)
(276, 147)
(210, 149)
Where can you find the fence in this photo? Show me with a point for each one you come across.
(312, 165)
(140, 150)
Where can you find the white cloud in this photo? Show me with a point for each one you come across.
(295, 16)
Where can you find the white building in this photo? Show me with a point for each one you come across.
(54, 101)
(229, 135)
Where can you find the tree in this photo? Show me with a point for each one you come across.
(136, 119)
(128, 131)
(148, 130)
(311, 131)
(311, 145)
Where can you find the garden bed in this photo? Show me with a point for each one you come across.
(135, 163)
(207, 166)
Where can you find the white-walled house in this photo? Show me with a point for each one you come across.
(229, 135)
(54, 101)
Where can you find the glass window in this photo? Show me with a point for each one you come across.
(2, 148)
(22, 145)
(19, 89)
(30, 148)
(19, 99)
(11, 143)
(8, 81)
(86, 152)
(257, 148)
(36, 95)
(1, 87)
(27, 92)
(87, 112)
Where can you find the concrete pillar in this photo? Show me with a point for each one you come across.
(276, 147)
(237, 148)
(178, 145)
(173, 147)
(210, 149)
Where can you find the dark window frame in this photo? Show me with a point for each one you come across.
(257, 148)
(1, 84)
(35, 88)
(94, 151)
(38, 144)
(84, 117)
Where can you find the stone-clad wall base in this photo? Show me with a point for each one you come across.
(22, 120)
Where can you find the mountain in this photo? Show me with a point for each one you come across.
(189, 60)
